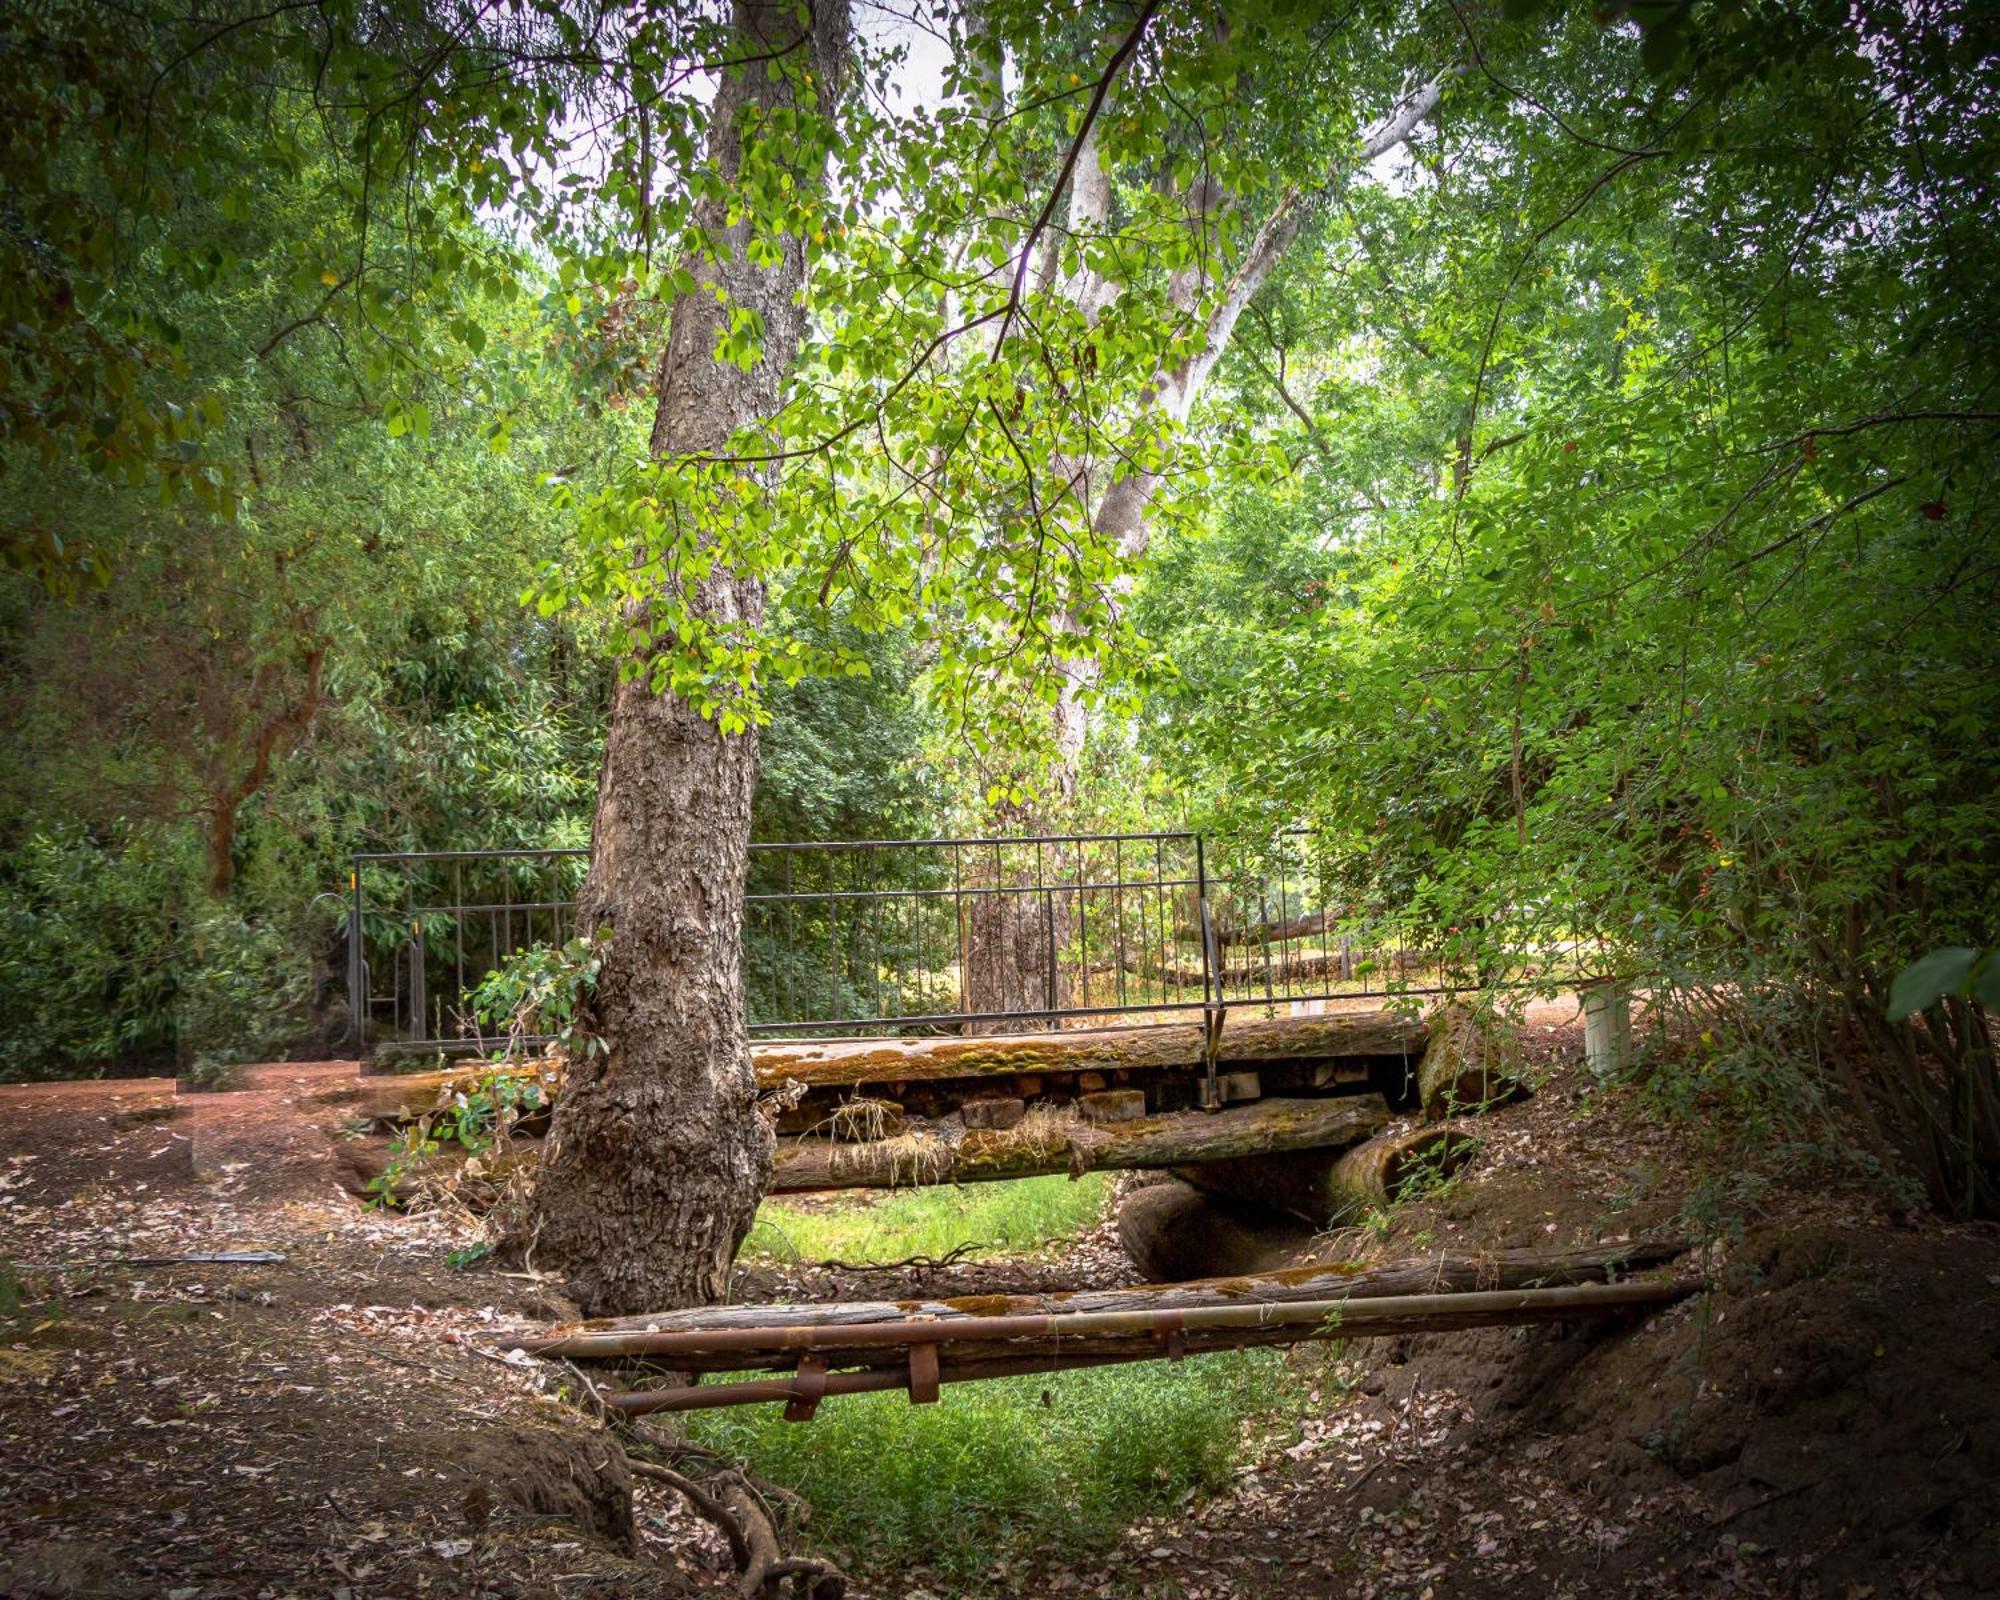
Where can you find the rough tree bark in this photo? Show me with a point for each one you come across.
(227, 791)
(657, 1156)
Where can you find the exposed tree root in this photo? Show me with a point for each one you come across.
(735, 1504)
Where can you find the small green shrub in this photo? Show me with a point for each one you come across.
(1013, 1465)
(476, 1119)
(540, 993)
(243, 997)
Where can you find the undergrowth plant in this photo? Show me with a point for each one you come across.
(479, 1122)
(1024, 1216)
(1001, 1470)
(541, 993)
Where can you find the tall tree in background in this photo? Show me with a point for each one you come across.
(657, 1156)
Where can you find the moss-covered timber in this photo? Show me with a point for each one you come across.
(832, 1063)
(1044, 1143)
(1511, 1269)
(1328, 1186)
(1379, 1171)
(1471, 1061)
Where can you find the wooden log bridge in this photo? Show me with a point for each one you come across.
(847, 1063)
(920, 1345)
(889, 1112)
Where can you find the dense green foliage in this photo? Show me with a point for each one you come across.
(1547, 454)
(1637, 576)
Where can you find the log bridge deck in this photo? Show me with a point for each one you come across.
(887, 1112)
(919, 1345)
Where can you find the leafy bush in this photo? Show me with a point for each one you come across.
(89, 955)
(1010, 1466)
(243, 994)
(479, 1120)
(540, 992)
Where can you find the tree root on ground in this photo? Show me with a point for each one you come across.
(734, 1503)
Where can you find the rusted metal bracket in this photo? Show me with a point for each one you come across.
(1170, 1328)
(809, 1387)
(923, 1374)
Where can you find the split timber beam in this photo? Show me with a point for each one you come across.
(846, 1062)
(602, 1337)
(918, 1345)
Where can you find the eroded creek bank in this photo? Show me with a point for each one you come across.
(1825, 1422)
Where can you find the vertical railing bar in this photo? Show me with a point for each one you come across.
(958, 917)
(833, 934)
(357, 967)
(1287, 964)
(458, 928)
(875, 926)
(1204, 923)
(1264, 913)
(1082, 929)
(1118, 916)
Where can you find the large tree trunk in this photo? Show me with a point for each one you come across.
(1017, 928)
(657, 1156)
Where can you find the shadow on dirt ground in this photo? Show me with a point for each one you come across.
(1824, 1423)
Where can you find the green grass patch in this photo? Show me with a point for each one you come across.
(1014, 1465)
(1016, 1218)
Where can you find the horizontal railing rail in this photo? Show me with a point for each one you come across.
(897, 936)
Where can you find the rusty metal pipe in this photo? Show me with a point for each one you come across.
(870, 1380)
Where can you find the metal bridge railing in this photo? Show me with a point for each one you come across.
(897, 936)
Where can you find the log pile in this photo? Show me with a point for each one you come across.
(919, 1344)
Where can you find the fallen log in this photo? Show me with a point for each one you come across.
(1469, 1063)
(1045, 1142)
(603, 1337)
(1380, 1170)
(1303, 926)
(1326, 1186)
(986, 1347)
(839, 1062)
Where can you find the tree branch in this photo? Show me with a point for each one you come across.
(1076, 145)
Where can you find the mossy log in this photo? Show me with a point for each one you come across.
(1504, 1270)
(1471, 1061)
(1381, 1170)
(824, 1063)
(1044, 1142)
(1325, 1186)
